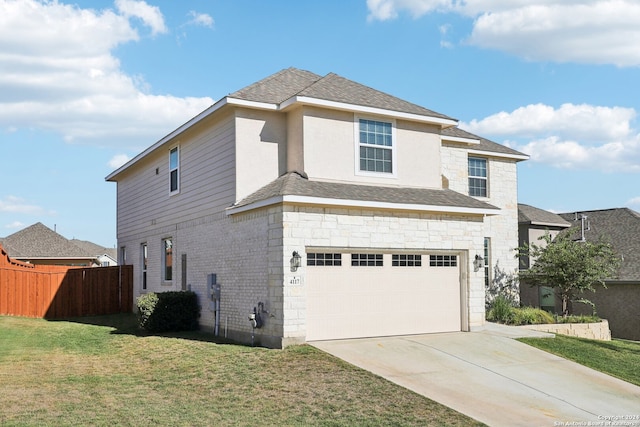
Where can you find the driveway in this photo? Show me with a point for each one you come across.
(495, 379)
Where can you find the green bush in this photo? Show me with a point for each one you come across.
(531, 316)
(168, 311)
(577, 319)
(501, 310)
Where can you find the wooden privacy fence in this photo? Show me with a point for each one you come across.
(53, 292)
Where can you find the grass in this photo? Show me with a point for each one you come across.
(101, 371)
(618, 358)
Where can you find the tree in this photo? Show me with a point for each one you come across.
(569, 266)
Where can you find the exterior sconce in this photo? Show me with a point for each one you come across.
(478, 263)
(294, 262)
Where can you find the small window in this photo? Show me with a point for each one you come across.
(167, 259)
(487, 262)
(174, 162)
(123, 255)
(477, 177)
(406, 260)
(443, 260)
(376, 146)
(366, 260)
(317, 259)
(143, 263)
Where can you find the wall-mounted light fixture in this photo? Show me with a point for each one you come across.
(478, 263)
(294, 262)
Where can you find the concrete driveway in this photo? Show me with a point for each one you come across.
(495, 379)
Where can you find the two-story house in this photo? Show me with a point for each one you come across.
(331, 209)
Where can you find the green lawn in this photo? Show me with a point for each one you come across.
(618, 358)
(103, 372)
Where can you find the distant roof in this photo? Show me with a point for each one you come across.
(484, 144)
(621, 228)
(535, 216)
(97, 250)
(39, 241)
(294, 184)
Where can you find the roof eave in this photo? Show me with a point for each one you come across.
(518, 157)
(443, 122)
(193, 121)
(320, 201)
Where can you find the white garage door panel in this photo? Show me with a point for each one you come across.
(349, 302)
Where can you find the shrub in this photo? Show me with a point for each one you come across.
(577, 319)
(168, 311)
(501, 310)
(531, 316)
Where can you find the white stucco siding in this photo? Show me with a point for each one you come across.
(206, 181)
(331, 150)
(261, 152)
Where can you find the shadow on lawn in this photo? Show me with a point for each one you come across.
(127, 324)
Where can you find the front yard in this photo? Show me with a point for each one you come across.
(106, 373)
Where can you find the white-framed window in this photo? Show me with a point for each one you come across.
(324, 259)
(144, 261)
(123, 255)
(406, 260)
(487, 261)
(375, 147)
(167, 259)
(366, 260)
(174, 170)
(478, 177)
(443, 260)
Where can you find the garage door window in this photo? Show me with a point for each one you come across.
(443, 260)
(317, 259)
(366, 260)
(406, 260)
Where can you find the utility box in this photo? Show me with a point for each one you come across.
(213, 288)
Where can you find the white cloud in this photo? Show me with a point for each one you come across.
(583, 31)
(118, 160)
(15, 225)
(571, 136)
(60, 75)
(13, 204)
(634, 201)
(150, 15)
(201, 19)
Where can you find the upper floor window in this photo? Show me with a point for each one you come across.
(174, 162)
(477, 177)
(376, 146)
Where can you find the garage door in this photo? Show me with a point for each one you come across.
(351, 295)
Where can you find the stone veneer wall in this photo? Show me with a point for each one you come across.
(356, 228)
(593, 331)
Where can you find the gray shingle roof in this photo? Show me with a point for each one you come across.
(39, 241)
(621, 228)
(293, 184)
(290, 82)
(532, 215)
(485, 144)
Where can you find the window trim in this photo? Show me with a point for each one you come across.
(324, 259)
(485, 178)
(175, 149)
(393, 148)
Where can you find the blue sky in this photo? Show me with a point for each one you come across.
(86, 85)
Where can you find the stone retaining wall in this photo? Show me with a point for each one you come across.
(594, 331)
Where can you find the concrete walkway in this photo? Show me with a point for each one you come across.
(495, 379)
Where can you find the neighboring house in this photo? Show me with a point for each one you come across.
(38, 244)
(107, 257)
(619, 303)
(329, 208)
